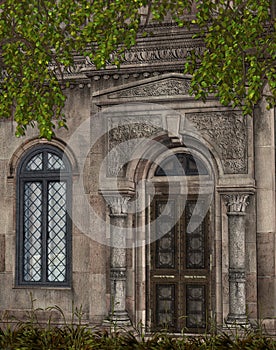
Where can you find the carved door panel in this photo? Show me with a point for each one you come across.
(179, 267)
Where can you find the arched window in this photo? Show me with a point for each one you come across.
(181, 164)
(43, 220)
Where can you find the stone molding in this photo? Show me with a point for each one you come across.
(167, 46)
(117, 274)
(228, 131)
(236, 203)
(236, 275)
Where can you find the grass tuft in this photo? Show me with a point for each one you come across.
(32, 334)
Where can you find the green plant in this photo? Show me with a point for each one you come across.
(32, 334)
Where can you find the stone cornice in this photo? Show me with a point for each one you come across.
(166, 49)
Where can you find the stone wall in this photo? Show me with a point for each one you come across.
(153, 102)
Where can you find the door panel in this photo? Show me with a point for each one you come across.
(179, 266)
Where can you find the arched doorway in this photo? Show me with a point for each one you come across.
(179, 233)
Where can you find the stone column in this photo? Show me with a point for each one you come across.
(118, 220)
(236, 204)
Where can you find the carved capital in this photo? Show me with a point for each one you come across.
(236, 202)
(118, 204)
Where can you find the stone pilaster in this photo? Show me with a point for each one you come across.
(236, 204)
(118, 219)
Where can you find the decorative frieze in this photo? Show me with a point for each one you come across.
(162, 53)
(228, 132)
(175, 46)
(165, 87)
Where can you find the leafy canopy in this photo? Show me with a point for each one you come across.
(239, 61)
(39, 38)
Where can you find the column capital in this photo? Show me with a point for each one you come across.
(236, 202)
(118, 204)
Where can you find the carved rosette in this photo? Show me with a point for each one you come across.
(118, 204)
(228, 132)
(236, 203)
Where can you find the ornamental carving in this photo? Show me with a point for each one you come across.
(172, 49)
(123, 137)
(162, 53)
(167, 87)
(227, 130)
(236, 202)
(118, 204)
(236, 275)
(116, 274)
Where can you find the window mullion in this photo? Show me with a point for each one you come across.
(21, 232)
(45, 231)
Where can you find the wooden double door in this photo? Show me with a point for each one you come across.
(179, 273)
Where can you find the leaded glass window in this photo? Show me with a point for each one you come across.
(196, 306)
(181, 164)
(43, 220)
(165, 305)
(195, 240)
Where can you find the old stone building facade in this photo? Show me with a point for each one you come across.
(153, 207)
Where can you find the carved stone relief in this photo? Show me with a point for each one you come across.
(126, 129)
(174, 52)
(236, 202)
(118, 205)
(167, 87)
(118, 274)
(227, 129)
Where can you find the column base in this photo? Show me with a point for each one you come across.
(117, 318)
(237, 320)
